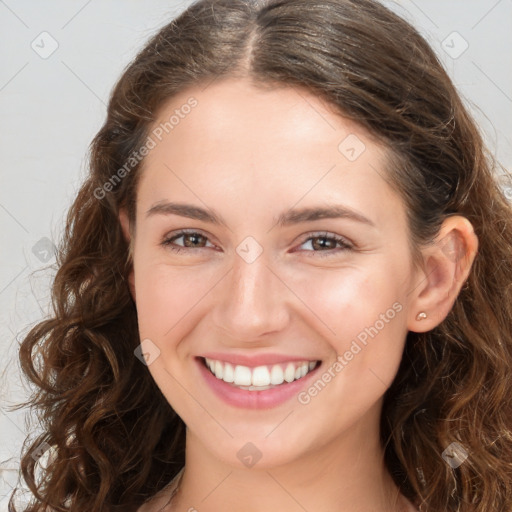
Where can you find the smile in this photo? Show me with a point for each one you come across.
(259, 378)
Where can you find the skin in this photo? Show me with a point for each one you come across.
(250, 155)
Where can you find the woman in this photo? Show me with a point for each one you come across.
(286, 283)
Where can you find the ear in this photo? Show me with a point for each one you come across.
(447, 263)
(127, 233)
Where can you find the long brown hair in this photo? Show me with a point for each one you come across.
(115, 438)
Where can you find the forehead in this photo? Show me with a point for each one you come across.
(230, 139)
(237, 113)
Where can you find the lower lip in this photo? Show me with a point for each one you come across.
(264, 399)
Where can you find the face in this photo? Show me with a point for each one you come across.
(268, 245)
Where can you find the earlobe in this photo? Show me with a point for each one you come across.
(447, 263)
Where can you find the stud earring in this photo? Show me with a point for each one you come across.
(421, 315)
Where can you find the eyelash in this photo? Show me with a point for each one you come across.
(345, 245)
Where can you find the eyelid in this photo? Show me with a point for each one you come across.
(327, 234)
(168, 238)
(346, 244)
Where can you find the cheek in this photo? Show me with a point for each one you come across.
(361, 314)
(364, 302)
(350, 299)
(166, 295)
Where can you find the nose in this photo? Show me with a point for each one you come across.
(252, 301)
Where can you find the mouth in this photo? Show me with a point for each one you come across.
(259, 378)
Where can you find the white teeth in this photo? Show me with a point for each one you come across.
(229, 373)
(289, 373)
(242, 376)
(219, 370)
(256, 388)
(276, 375)
(259, 378)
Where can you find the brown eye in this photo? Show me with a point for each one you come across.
(190, 240)
(323, 242)
(326, 243)
(193, 240)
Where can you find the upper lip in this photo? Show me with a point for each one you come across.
(256, 359)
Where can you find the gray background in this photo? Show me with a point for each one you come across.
(52, 104)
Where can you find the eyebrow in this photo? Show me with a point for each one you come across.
(287, 218)
(186, 210)
(321, 212)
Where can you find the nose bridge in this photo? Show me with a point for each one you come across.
(250, 282)
(252, 302)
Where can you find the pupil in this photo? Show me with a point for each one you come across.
(194, 238)
(327, 243)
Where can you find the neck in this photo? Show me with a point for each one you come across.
(344, 475)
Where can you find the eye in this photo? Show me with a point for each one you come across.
(191, 240)
(326, 243)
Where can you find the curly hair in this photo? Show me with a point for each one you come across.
(116, 441)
